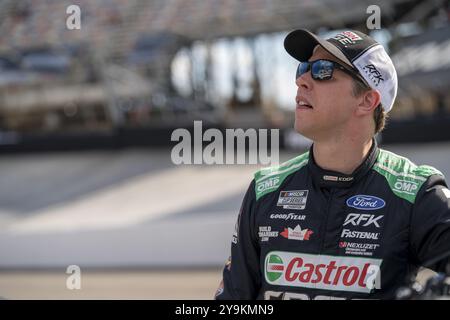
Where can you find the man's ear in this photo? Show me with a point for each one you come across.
(368, 101)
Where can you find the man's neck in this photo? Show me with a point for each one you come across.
(343, 156)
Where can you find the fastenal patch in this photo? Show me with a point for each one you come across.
(346, 233)
(355, 274)
(294, 199)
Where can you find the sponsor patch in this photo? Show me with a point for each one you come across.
(336, 178)
(365, 202)
(363, 219)
(406, 186)
(297, 233)
(288, 216)
(267, 184)
(355, 248)
(265, 233)
(355, 274)
(347, 38)
(346, 233)
(295, 199)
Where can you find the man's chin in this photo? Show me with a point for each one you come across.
(303, 131)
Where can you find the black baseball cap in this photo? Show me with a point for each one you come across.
(356, 50)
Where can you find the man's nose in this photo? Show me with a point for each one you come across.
(304, 81)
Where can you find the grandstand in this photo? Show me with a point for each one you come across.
(114, 75)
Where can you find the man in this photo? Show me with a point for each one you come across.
(345, 220)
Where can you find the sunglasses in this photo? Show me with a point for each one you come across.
(323, 70)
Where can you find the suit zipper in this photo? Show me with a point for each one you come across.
(324, 228)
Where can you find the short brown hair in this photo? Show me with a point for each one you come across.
(379, 115)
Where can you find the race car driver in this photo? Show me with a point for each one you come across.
(347, 219)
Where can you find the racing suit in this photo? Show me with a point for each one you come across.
(308, 233)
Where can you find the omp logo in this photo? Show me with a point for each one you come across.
(363, 219)
(365, 202)
(408, 187)
(274, 267)
(267, 184)
(322, 272)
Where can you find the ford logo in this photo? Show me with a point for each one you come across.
(365, 202)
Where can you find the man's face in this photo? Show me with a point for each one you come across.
(332, 102)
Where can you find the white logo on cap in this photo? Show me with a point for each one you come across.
(378, 70)
(374, 74)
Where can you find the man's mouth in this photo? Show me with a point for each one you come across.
(302, 104)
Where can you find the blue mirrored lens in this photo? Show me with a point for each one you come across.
(322, 70)
(302, 68)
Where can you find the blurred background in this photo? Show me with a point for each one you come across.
(86, 117)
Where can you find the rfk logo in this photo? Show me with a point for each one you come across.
(374, 74)
(365, 219)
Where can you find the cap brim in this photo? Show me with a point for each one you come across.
(300, 44)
